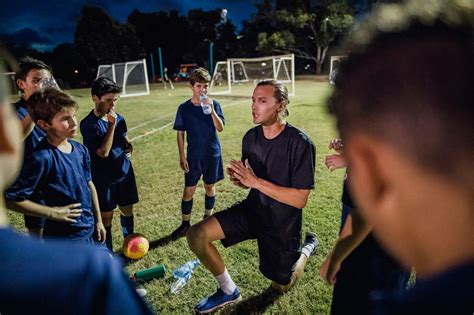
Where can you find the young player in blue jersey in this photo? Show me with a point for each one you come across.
(199, 118)
(29, 78)
(403, 102)
(58, 173)
(105, 135)
(54, 277)
(358, 266)
(277, 164)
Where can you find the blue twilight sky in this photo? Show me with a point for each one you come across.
(45, 24)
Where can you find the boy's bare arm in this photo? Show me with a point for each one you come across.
(27, 124)
(67, 213)
(104, 150)
(354, 231)
(215, 118)
(182, 158)
(335, 161)
(129, 149)
(100, 229)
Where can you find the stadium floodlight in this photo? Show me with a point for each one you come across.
(131, 76)
(232, 75)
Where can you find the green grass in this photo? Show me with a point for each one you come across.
(160, 185)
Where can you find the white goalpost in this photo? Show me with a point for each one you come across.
(334, 66)
(236, 74)
(131, 76)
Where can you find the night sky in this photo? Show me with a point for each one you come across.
(45, 24)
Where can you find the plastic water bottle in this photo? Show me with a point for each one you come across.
(180, 283)
(206, 108)
(183, 274)
(186, 268)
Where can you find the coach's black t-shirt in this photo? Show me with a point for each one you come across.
(287, 160)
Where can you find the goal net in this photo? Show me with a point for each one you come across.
(131, 76)
(239, 76)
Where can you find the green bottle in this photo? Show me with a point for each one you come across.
(149, 274)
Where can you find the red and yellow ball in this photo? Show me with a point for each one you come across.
(135, 246)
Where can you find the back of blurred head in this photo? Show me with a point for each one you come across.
(406, 90)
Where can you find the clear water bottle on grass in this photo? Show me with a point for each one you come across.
(183, 274)
(180, 283)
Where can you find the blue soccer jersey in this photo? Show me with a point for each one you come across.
(201, 134)
(58, 277)
(59, 179)
(115, 167)
(36, 135)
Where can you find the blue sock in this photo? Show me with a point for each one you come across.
(186, 206)
(127, 225)
(108, 237)
(209, 202)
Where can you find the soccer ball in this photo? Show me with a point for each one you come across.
(135, 246)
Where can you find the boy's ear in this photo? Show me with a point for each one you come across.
(95, 98)
(21, 84)
(43, 124)
(366, 173)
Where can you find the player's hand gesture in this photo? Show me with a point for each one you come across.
(336, 144)
(184, 165)
(112, 117)
(100, 232)
(335, 161)
(244, 173)
(67, 213)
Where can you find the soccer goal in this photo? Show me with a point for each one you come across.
(131, 76)
(334, 67)
(241, 75)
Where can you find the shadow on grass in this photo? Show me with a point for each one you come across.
(256, 304)
(162, 241)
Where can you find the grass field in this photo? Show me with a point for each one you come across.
(160, 184)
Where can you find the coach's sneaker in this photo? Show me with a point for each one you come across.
(309, 245)
(218, 299)
(181, 230)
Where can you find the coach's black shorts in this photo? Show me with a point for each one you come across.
(278, 251)
(210, 168)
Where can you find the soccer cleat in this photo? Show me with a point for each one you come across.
(310, 244)
(217, 300)
(180, 231)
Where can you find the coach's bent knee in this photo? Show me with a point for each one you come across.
(196, 235)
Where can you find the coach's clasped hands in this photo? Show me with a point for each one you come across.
(242, 174)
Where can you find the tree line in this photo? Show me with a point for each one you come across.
(303, 27)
